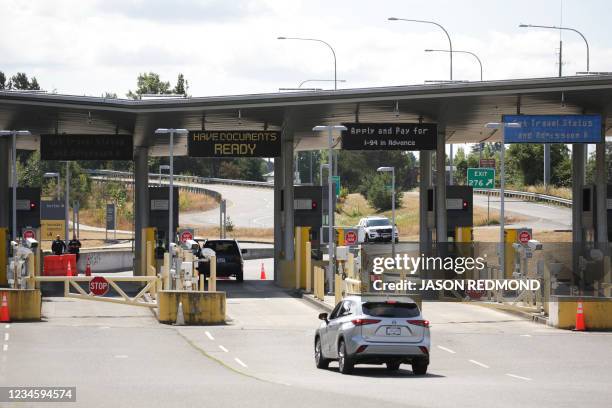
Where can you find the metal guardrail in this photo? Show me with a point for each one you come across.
(183, 178)
(527, 196)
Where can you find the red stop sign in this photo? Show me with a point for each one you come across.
(98, 286)
(186, 235)
(524, 237)
(350, 237)
(29, 234)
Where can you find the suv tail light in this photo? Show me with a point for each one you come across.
(422, 323)
(363, 322)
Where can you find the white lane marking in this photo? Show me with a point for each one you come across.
(121, 356)
(478, 363)
(240, 362)
(223, 348)
(446, 349)
(519, 377)
(210, 336)
(5, 347)
(525, 335)
(6, 337)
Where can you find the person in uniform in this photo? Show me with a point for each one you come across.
(74, 247)
(58, 246)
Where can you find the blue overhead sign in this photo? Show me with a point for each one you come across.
(553, 129)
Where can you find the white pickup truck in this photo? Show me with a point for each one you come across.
(376, 229)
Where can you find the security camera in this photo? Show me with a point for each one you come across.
(191, 244)
(534, 245)
(31, 243)
(173, 249)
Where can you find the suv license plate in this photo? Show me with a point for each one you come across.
(394, 331)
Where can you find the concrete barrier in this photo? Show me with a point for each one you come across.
(198, 307)
(597, 312)
(110, 260)
(258, 253)
(24, 304)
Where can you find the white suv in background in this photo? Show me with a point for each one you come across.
(376, 229)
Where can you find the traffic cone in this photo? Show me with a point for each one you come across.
(580, 326)
(88, 268)
(5, 315)
(180, 315)
(69, 270)
(262, 275)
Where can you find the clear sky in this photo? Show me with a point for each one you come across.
(230, 47)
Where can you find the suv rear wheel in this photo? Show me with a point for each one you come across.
(393, 366)
(345, 364)
(419, 367)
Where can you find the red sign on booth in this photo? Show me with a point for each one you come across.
(98, 286)
(524, 237)
(350, 238)
(186, 235)
(28, 233)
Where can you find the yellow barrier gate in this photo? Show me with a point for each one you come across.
(137, 300)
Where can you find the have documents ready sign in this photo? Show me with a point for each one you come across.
(234, 143)
(553, 129)
(481, 178)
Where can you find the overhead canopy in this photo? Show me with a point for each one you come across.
(462, 109)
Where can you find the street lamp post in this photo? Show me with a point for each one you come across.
(460, 52)
(392, 171)
(54, 175)
(171, 132)
(330, 207)
(327, 44)
(560, 43)
(502, 184)
(450, 44)
(13, 134)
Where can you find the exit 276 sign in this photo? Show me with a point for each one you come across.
(481, 178)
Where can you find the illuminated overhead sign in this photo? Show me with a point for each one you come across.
(86, 147)
(553, 129)
(234, 143)
(389, 136)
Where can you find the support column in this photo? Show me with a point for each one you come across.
(441, 187)
(278, 230)
(546, 165)
(601, 183)
(141, 203)
(5, 174)
(577, 185)
(288, 233)
(424, 184)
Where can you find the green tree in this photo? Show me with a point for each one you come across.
(2, 80)
(20, 81)
(149, 83)
(181, 85)
(251, 168)
(29, 174)
(379, 195)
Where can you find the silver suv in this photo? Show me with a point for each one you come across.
(373, 329)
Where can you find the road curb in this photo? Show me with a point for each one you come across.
(316, 302)
(536, 318)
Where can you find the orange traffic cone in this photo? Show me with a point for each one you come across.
(580, 326)
(262, 275)
(69, 270)
(5, 315)
(88, 268)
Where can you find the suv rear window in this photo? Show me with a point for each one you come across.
(383, 309)
(223, 247)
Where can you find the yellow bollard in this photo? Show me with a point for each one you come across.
(31, 268)
(212, 280)
(308, 267)
(297, 251)
(166, 271)
(338, 288)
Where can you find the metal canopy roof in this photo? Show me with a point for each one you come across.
(462, 109)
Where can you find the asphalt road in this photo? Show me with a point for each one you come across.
(246, 206)
(120, 356)
(538, 215)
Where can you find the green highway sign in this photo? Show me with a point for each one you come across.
(336, 181)
(481, 178)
